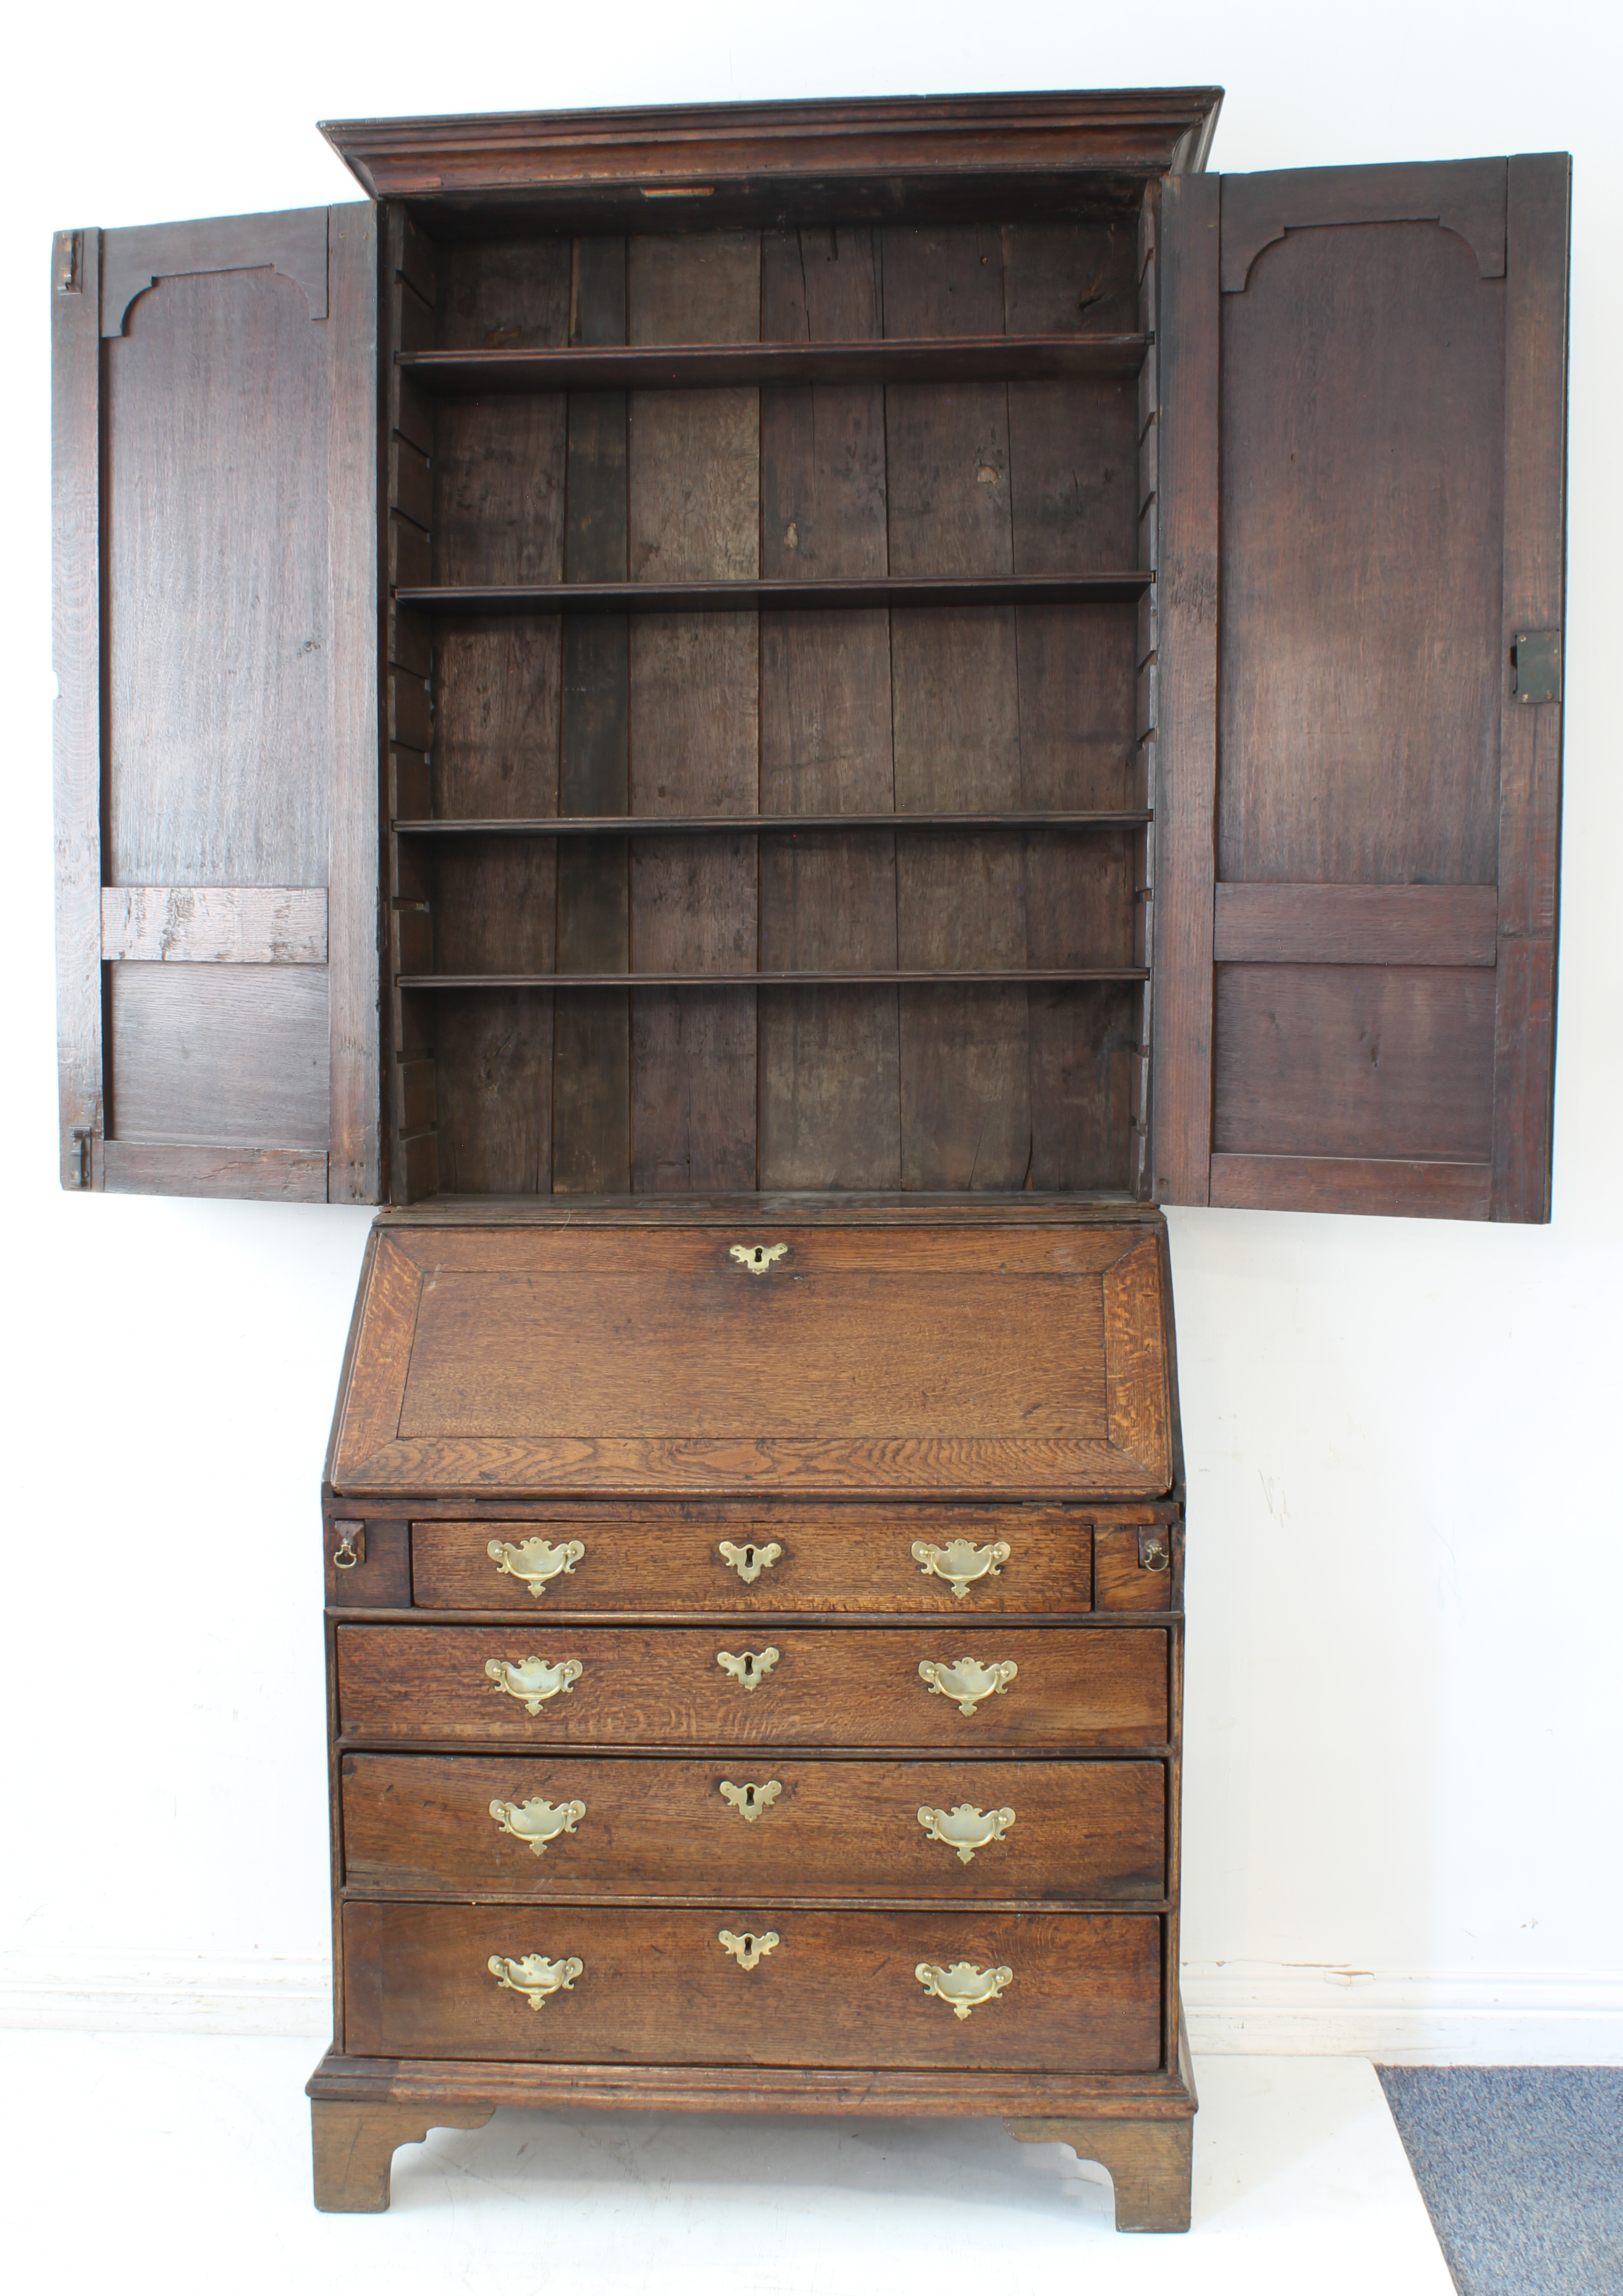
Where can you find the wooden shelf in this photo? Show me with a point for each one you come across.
(707, 367)
(1006, 978)
(749, 824)
(750, 597)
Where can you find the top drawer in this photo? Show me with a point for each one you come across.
(923, 1561)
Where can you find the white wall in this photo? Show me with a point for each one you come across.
(1405, 1577)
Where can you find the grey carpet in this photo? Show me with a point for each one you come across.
(1521, 2167)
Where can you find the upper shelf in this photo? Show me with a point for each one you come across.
(705, 366)
(747, 597)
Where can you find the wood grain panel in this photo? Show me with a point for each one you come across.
(1395, 1187)
(218, 1053)
(1365, 613)
(852, 1561)
(694, 514)
(838, 1988)
(193, 1168)
(219, 584)
(292, 243)
(829, 1080)
(420, 1826)
(1465, 196)
(380, 1349)
(1076, 1688)
(1353, 1061)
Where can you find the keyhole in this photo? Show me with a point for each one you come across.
(757, 1256)
(748, 1558)
(750, 1796)
(749, 1663)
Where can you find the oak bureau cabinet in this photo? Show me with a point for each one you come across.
(773, 724)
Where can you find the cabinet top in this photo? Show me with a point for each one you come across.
(880, 153)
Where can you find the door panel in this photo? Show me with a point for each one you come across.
(1365, 1009)
(216, 474)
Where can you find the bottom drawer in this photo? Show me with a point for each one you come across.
(1009, 1992)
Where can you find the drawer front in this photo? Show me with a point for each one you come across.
(855, 1687)
(864, 1561)
(1050, 1992)
(513, 1826)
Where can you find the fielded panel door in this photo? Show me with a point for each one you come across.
(215, 549)
(1362, 541)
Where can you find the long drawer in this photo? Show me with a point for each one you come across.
(752, 1985)
(860, 1559)
(429, 1826)
(963, 1687)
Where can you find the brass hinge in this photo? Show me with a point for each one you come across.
(1537, 659)
(79, 1159)
(69, 262)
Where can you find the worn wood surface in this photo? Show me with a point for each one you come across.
(420, 1826)
(1151, 2164)
(293, 244)
(1187, 354)
(1391, 1186)
(838, 1988)
(354, 2147)
(1122, 1580)
(1539, 202)
(219, 1052)
(187, 924)
(828, 358)
(76, 656)
(1078, 1687)
(193, 1168)
(1466, 196)
(592, 1032)
(851, 1559)
(695, 495)
(1355, 924)
(567, 1357)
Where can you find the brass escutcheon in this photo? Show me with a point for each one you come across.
(749, 1561)
(964, 1828)
(533, 1561)
(749, 1800)
(534, 1976)
(963, 1987)
(757, 1257)
(966, 1681)
(748, 1667)
(749, 1949)
(959, 1563)
(532, 1680)
(537, 1822)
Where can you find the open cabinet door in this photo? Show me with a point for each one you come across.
(1363, 404)
(216, 552)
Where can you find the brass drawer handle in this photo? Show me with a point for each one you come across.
(532, 1680)
(749, 1800)
(963, 1987)
(538, 1821)
(959, 1563)
(757, 1257)
(351, 1547)
(749, 1561)
(748, 1667)
(534, 1562)
(966, 1680)
(1153, 1552)
(963, 1828)
(534, 1976)
(749, 1949)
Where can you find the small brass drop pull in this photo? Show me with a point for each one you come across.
(749, 1800)
(959, 1563)
(351, 1547)
(757, 1257)
(966, 1682)
(749, 1949)
(748, 1667)
(1153, 1553)
(749, 1561)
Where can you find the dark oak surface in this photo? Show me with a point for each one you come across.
(419, 1825)
(853, 1686)
(838, 1988)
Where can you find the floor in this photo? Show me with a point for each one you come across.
(181, 2161)
(1522, 2166)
